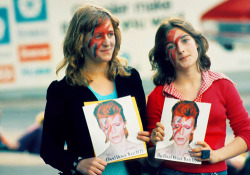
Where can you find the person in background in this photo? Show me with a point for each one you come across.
(4, 143)
(31, 140)
(182, 72)
(245, 169)
(235, 165)
(93, 72)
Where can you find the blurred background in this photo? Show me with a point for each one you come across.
(31, 36)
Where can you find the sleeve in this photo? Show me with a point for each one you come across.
(140, 97)
(54, 131)
(154, 108)
(238, 117)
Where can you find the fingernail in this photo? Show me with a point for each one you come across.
(190, 150)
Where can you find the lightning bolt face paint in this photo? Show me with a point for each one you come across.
(100, 34)
(173, 42)
(181, 48)
(171, 50)
(113, 128)
(182, 129)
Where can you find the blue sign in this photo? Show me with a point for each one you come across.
(4, 27)
(30, 10)
(37, 71)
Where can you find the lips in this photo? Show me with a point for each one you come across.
(180, 140)
(183, 58)
(115, 137)
(106, 50)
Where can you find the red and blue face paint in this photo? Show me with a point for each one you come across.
(178, 125)
(98, 35)
(171, 39)
(108, 124)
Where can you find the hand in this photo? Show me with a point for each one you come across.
(91, 166)
(196, 152)
(144, 136)
(157, 133)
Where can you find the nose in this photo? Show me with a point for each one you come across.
(112, 130)
(182, 131)
(106, 40)
(180, 47)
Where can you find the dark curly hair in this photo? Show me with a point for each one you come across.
(164, 70)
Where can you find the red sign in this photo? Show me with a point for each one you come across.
(34, 52)
(7, 73)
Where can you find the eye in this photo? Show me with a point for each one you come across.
(176, 126)
(97, 36)
(170, 46)
(105, 127)
(185, 40)
(116, 124)
(110, 34)
(187, 126)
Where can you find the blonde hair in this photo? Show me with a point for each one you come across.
(83, 21)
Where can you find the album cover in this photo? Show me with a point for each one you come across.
(114, 126)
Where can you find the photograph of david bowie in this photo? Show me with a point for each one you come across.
(112, 122)
(183, 124)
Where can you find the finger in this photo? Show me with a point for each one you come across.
(144, 133)
(158, 132)
(97, 168)
(95, 171)
(203, 155)
(161, 131)
(196, 154)
(160, 135)
(101, 162)
(156, 136)
(202, 143)
(143, 138)
(195, 150)
(200, 159)
(159, 124)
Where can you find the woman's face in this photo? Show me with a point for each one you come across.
(182, 129)
(181, 49)
(113, 128)
(100, 43)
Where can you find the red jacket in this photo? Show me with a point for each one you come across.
(225, 104)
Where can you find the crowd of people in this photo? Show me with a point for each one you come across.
(94, 72)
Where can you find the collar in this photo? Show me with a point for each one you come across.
(208, 77)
